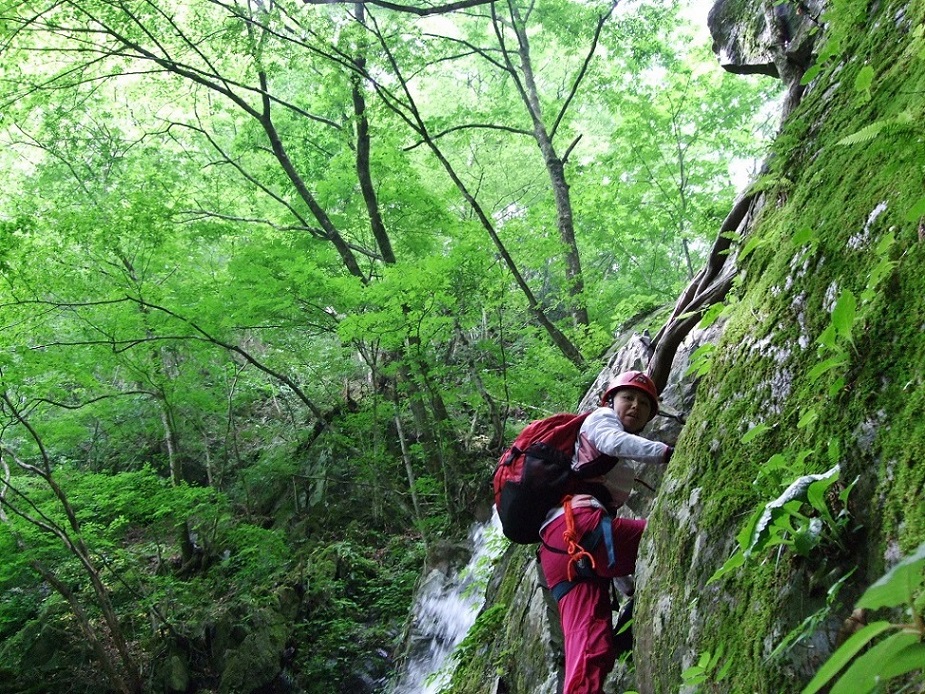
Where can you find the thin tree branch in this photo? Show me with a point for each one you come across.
(582, 71)
(98, 398)
(334, 55)
(569, 149)
(445, 8)
(363, 148)
(472, 126)
(210, 77)
(196, 215)
(252, 179)
(709, 287)
(416, 121)
(199, 215)
(235, 349)
(332, 234)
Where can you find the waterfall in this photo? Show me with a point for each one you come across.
(445, 608)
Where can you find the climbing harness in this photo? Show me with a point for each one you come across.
(581, 563)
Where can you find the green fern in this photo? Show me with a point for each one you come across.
(896, 125)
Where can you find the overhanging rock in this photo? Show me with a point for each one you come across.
(764, 37)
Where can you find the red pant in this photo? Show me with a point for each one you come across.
(585, 611)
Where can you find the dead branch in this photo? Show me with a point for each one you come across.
(708, 287)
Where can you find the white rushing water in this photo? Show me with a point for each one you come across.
(445, 608)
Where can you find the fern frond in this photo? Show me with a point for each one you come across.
(904, 122)
(865, 134)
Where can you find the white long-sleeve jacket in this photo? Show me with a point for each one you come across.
(601, 445)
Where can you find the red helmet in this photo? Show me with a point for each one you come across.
(636, 380)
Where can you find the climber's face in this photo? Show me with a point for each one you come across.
(633, 407)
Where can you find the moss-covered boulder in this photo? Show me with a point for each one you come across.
(253, 663)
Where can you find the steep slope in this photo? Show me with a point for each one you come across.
(820, 363)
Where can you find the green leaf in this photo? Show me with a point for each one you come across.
(844, 654)
(864, 79)
(827, 365)
(807, 537)
(772, 470)
(731, 564)
(717, 656)
(898, 585)
(917, 210)
(810, 416)
(834, 450)
(815, 495)
(836, 387)
(804, 236)
(750, 245)
(843, 495)
(911, 658)
(801, 458)
(827, 338)
(744, 537)
(882, 269)
(701, 360)
(710, 316)
(867, 672)
(865, 134)
(755, 432)
(885, 244)
(843, 314)
(810, 74)
(693, 675)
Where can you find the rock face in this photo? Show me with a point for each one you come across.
(821, 362)
(764, 37)
(767, 37)
(519, 627)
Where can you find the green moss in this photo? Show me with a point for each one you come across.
(826, 207)
(762, 373)
(498, 647)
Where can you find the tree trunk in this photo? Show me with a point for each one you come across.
(128, 679)
(414, 119)
(128, 684)
(364, 174)
(170, 440)
(282, 157)
(409, 471)
(555, 168)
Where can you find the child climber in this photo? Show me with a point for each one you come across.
(583, 547)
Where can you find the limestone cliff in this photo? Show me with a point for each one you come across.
(820, 362)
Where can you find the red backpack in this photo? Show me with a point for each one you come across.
(534, 474)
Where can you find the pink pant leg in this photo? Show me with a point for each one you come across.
(585, 611)
(627, 533)
(586, 625)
